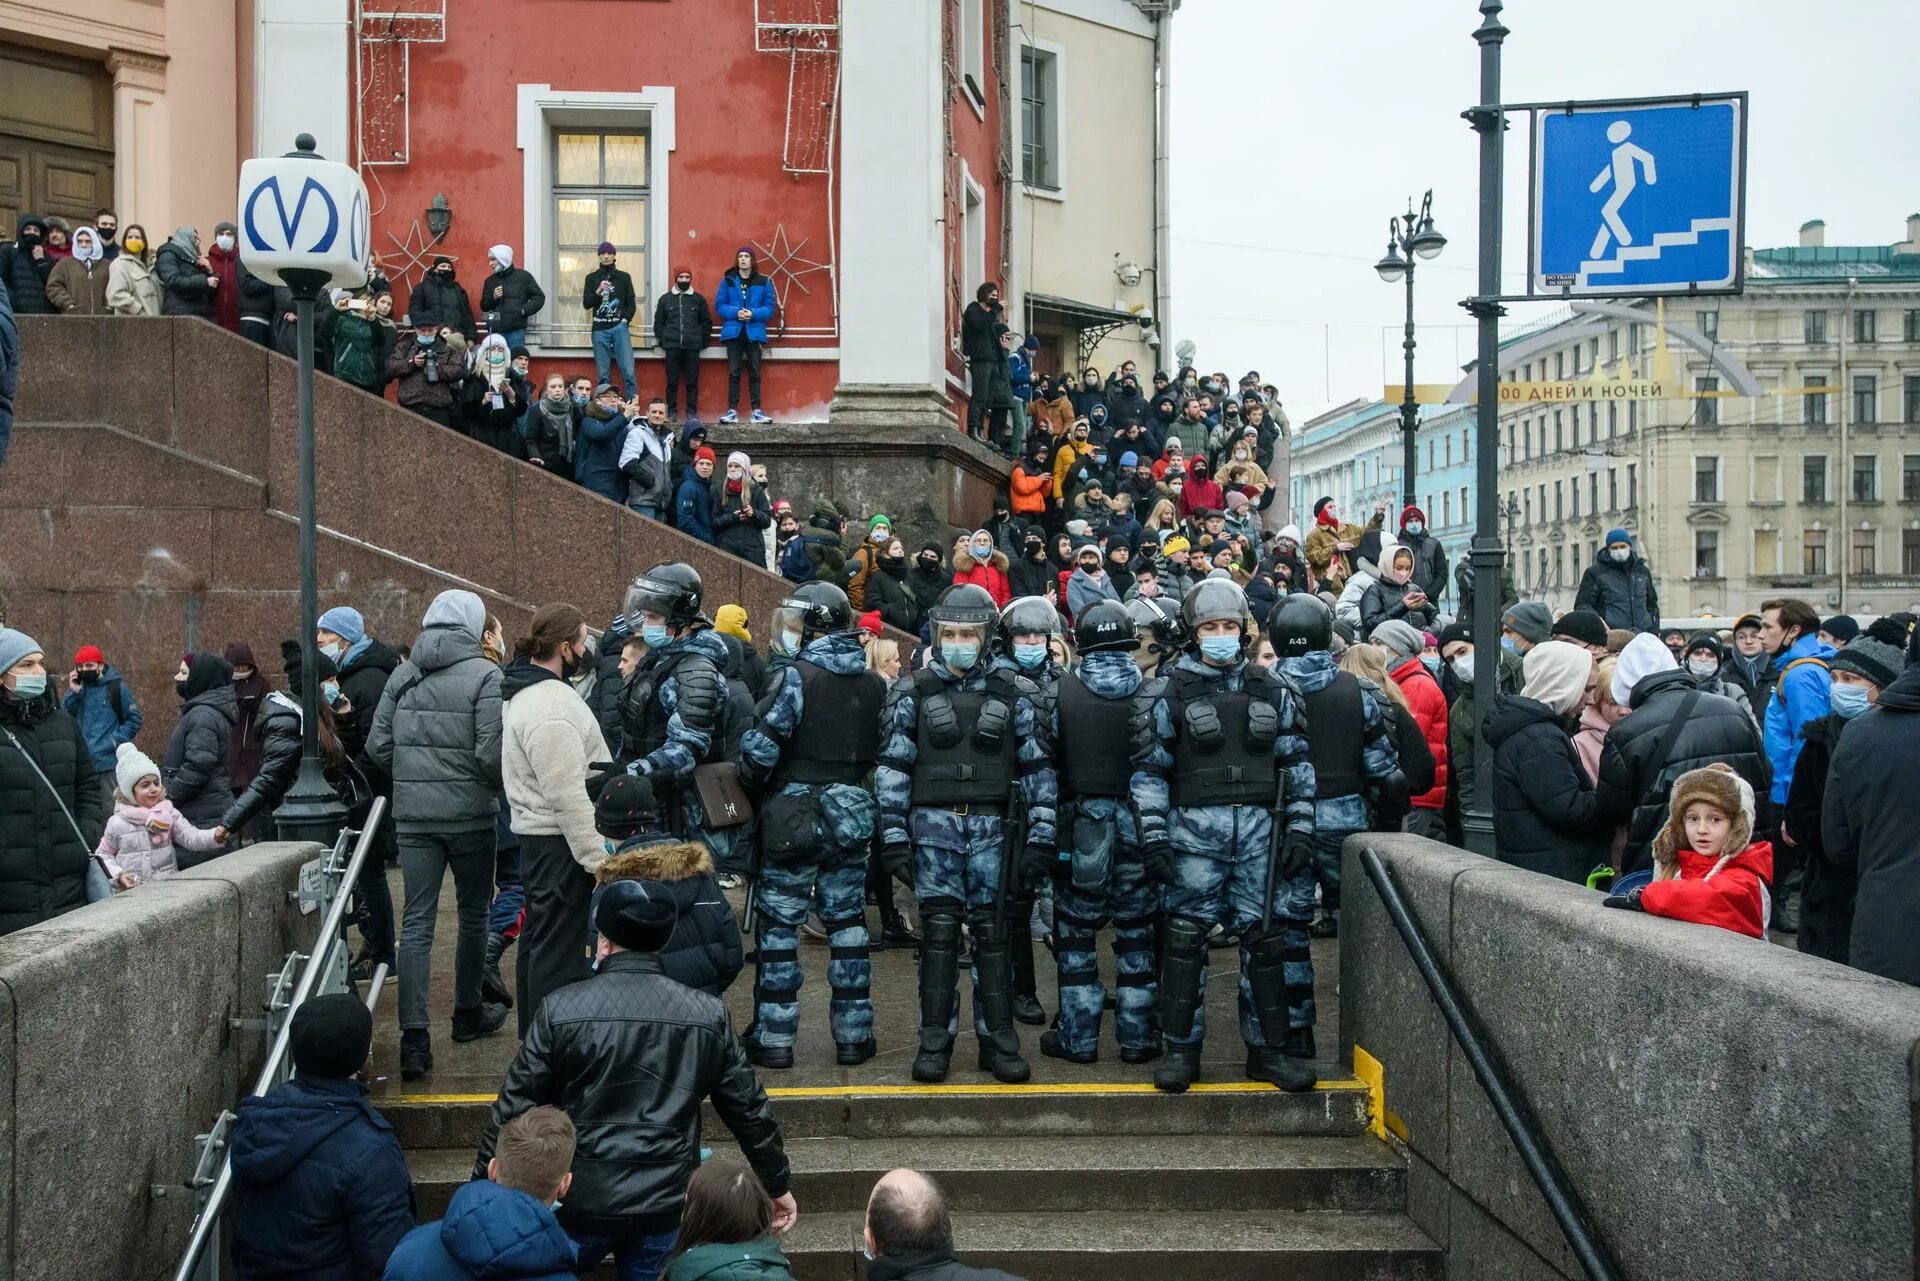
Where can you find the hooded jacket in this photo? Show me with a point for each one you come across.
(1545, 814)
(437, 732)
(43, 869)
(1801, 696)
(1867, 827)
(76, 288)
(129, 843)
(25, 276)
(705, 952)
(107, 714)
(509, 298)
(195, 767)
(1429, 561)
(183, 281)
(364, 670)
(320, 1188)
(549, 738)
(446, 303)
(1624, 595)
(1429, 708)
(755, 293)
(491, 1233)
(1731, 895)
(1384, 598)
(1029, 487)
(759, 1260)
(990, 574)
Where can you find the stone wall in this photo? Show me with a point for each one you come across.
(149, 505)
(115, 1019)
(1726, 1108)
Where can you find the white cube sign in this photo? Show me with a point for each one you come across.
(305, 215)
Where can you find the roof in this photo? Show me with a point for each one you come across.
(1075, 315)
(1830, 262)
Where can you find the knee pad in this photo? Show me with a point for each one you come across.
(1185, 935)
(1269, 948)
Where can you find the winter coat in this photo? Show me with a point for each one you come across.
(1545, 814)
(1410, 746)
(416, 391)
(43, 869)
(1429, 707)
(183, 282)
(361, 346)
(939, 1265)
(1588, 740)
(365, 670)
(1073, 465)
(550, 440)
(756, 295)
(1634, 788)
(630, 1054)
(1386, 599)
(976, 331)
(926, 586)
(1801, 696)
(990, 574)
(22, 275)
(597, 450)
(278, 728)
(1201, 492)
(705, 952)
(1055, 415)
(320, 1188)
(497, 427)
(195, 766)
(1867, 827)
(1624, 595)
(1029, 488)
(737, 520)
(1732, 895)
(78, 288)
(447, 304)
(1083, 589)
(1757, 686)
(887, 592)
(1020, 375)
(682, 321)
(1429, 564)
(437, 734)
(549, 738)
(132, 288)
(1828, 890)
(693, 507)
(129, 845)
(859, 570)
(1463, 727)
(609, 298)
(509, 299)
(1029, 577)
(107, 715)
(759, 1260)
(491, 1233)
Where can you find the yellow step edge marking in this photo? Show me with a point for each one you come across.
(869, 1091)
(1372, 1076)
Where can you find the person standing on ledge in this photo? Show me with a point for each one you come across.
(745, 302)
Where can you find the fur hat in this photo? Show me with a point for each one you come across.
(1719, 787)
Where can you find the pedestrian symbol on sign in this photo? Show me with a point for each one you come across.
(1619, 171)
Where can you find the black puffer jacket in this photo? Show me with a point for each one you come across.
(1634, 788)
(705, 952)
(183, 282)
(1544, 813)
(278, 727)
(23, 275)
(1867, 826)
(43, 870)
(1621, 594)
(739, 521)
(509, 299)
(1826, 901)
(887, 592)
(363, 678)
(1386, 599)
(630, 1054)
(195, 767)
(447, 304)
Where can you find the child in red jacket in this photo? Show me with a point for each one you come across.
(1707, 867)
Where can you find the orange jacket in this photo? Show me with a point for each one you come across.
(1029, 490)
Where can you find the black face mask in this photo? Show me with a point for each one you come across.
(107, 234)
(444, 277)
(180, 688)
(929, 562)
(89, 678)
(895, 565)
(1035, 550)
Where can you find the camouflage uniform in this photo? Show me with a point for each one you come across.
(665, 740)
(832, 864)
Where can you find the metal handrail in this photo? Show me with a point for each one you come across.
(1561, 1199)
(326, 942)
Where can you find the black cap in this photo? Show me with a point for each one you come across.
(626, 807)
(1582, 625)
(331, 1036)
(1455, 632)
(636, 915)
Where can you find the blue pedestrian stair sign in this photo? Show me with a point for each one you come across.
(1646, 196)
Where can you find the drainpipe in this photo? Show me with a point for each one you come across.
(1846, 463)
(1162, 183)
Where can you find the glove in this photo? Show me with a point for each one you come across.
(1296, 854)
(898, 860)
(1157, 859)
(1038, 865)
(599, 774)
(1630, 901)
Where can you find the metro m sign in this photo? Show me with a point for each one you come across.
(301, 213)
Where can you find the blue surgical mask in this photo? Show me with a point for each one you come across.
(579, 399)
(425, 340)
(1431, 662)
(959, 655)
(1507, 643)
(655, 635)
(1415, 527)
(30, 685)
(331, 693)
(1030, 656)
(1219, 649)
(1849, 700)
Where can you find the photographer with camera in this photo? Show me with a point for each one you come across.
(427, 370)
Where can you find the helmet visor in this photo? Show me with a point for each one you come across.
(789, 629)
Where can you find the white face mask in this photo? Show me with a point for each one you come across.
(225, 241)
(1462, 665)
(1619, 554)
(1703, 666)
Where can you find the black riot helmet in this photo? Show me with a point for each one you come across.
(1212, 599)
(672, 590)
(1300, 624)
(1104, 625)
(965, 603)
(1026, 616)
(1157, 617)
(813, 609)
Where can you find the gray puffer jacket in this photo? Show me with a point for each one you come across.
(437, 734)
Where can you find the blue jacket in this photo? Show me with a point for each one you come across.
(1020, 373)
(596, 455)
(490, 1231)
(1802, 698)
(693, 507)
(92, 707)
(756, 296)
(795, 567)
(9, 367)
(320, 1189)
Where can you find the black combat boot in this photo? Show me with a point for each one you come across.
(850, 1054)
(416, 1053)
(1179, 1069)
(492, 986)
(775, 1057)
(1000, 1047)
(1279, 1061)
(939, 980)
(1282, 1069)
(1053, 1048)
(477, 1021)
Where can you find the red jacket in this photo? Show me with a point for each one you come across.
(990, 574)
(1430, 712)
(1200, 491)
(226, 299)
(1733, 899)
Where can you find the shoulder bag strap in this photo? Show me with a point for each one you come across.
(1672, 732)
(51, 789)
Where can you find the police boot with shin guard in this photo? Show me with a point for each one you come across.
(1182, 969)
(1000, 1047)
(1275, 1061)
(1026, 1002)
(939, 982)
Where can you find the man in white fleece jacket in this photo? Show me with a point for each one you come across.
(551, 738)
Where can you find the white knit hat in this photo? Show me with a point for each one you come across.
(130, 765)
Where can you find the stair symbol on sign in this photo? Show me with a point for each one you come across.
(1644, 253)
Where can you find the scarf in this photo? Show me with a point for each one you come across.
(560, 419)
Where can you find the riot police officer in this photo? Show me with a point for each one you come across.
(673, 712)
(1352, 748)
(1023, 643)
(1100, 875)
(811, 751)
(1156, 622)
(965, 779)
(1225, 788)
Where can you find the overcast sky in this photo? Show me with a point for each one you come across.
(1299, 127)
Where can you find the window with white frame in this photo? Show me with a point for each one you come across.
(973, 48)
(600, 192)
(1040, 107)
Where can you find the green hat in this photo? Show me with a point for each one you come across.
(879, 518)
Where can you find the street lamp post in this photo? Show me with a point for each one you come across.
(1410, 236)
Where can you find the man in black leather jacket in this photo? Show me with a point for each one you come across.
(629, 1054)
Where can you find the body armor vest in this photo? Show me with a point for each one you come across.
(965, 741)
(1223, 741)
(838, 736)
(1094, 751)
(1338, 717)
(643, 720)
